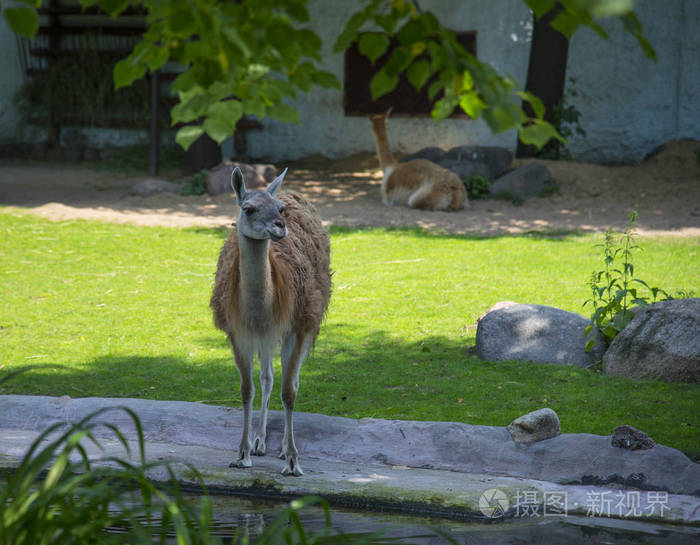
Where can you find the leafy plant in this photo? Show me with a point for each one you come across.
(196, 185)
(59, 495)
(616, 292)
(477, 186)
(567, 121)
(551, 187)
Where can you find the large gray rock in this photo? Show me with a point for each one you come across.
(466, 169)
(528, 181)
(566, 459)
(661, 342)
(535, 426)
(497, 159)
(536, 333)
(256, 176)
(431, 153)
(151, 186)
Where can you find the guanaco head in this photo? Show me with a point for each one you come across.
(261, 214)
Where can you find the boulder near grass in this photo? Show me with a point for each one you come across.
(661, 342)
(535, 333)
(525, 182)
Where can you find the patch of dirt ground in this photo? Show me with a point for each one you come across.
(664, 190)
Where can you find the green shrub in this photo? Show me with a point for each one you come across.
(616, 292)
(195, 185)
(477, 186)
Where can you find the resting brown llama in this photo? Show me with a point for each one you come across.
(418, 183)
(272, 286)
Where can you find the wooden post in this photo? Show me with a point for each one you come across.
(155, 129)
(54, 53)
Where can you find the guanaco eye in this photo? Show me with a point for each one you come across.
(281, 209)
(248, 210)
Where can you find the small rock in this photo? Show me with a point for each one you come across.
(151, 186)
(631, 438)
(526, 182)
(256, 176)
(535, 426)
(431, 153)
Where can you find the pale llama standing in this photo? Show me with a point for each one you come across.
(418, 183)
(272, 286)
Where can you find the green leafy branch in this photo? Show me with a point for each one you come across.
(252, 57)
(246, 58)
(428, 50)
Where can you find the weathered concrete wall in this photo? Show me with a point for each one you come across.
(629, 104)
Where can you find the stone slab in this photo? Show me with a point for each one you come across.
(364, 463)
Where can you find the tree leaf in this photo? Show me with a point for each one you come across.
(219, 128)
(254, 107)
(230, 110)
(535, 103)
(188, 134)
(540, 7)
(609, 8)
(326, 80)
(23, 20)
(111, 7)
(433, 89)
(471, 104)
(411, 32)
(538, 134)
(373, 45)
(284, 113)
(418, 73)
(126, 72)
(382, 83)
(157, 57)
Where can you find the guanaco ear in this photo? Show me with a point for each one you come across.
(238, 184)
(276, 183)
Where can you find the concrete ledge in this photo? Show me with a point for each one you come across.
(371, 464)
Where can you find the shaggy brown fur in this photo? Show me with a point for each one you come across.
(418, 183)
(300, 270)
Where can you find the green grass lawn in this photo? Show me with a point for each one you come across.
(95, 309)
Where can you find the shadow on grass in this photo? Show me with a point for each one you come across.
(355, 373)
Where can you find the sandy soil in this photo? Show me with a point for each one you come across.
(665, 191)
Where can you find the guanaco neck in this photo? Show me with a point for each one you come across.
(386, 159)
(256, 275)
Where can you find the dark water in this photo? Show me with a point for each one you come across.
(236, 516)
